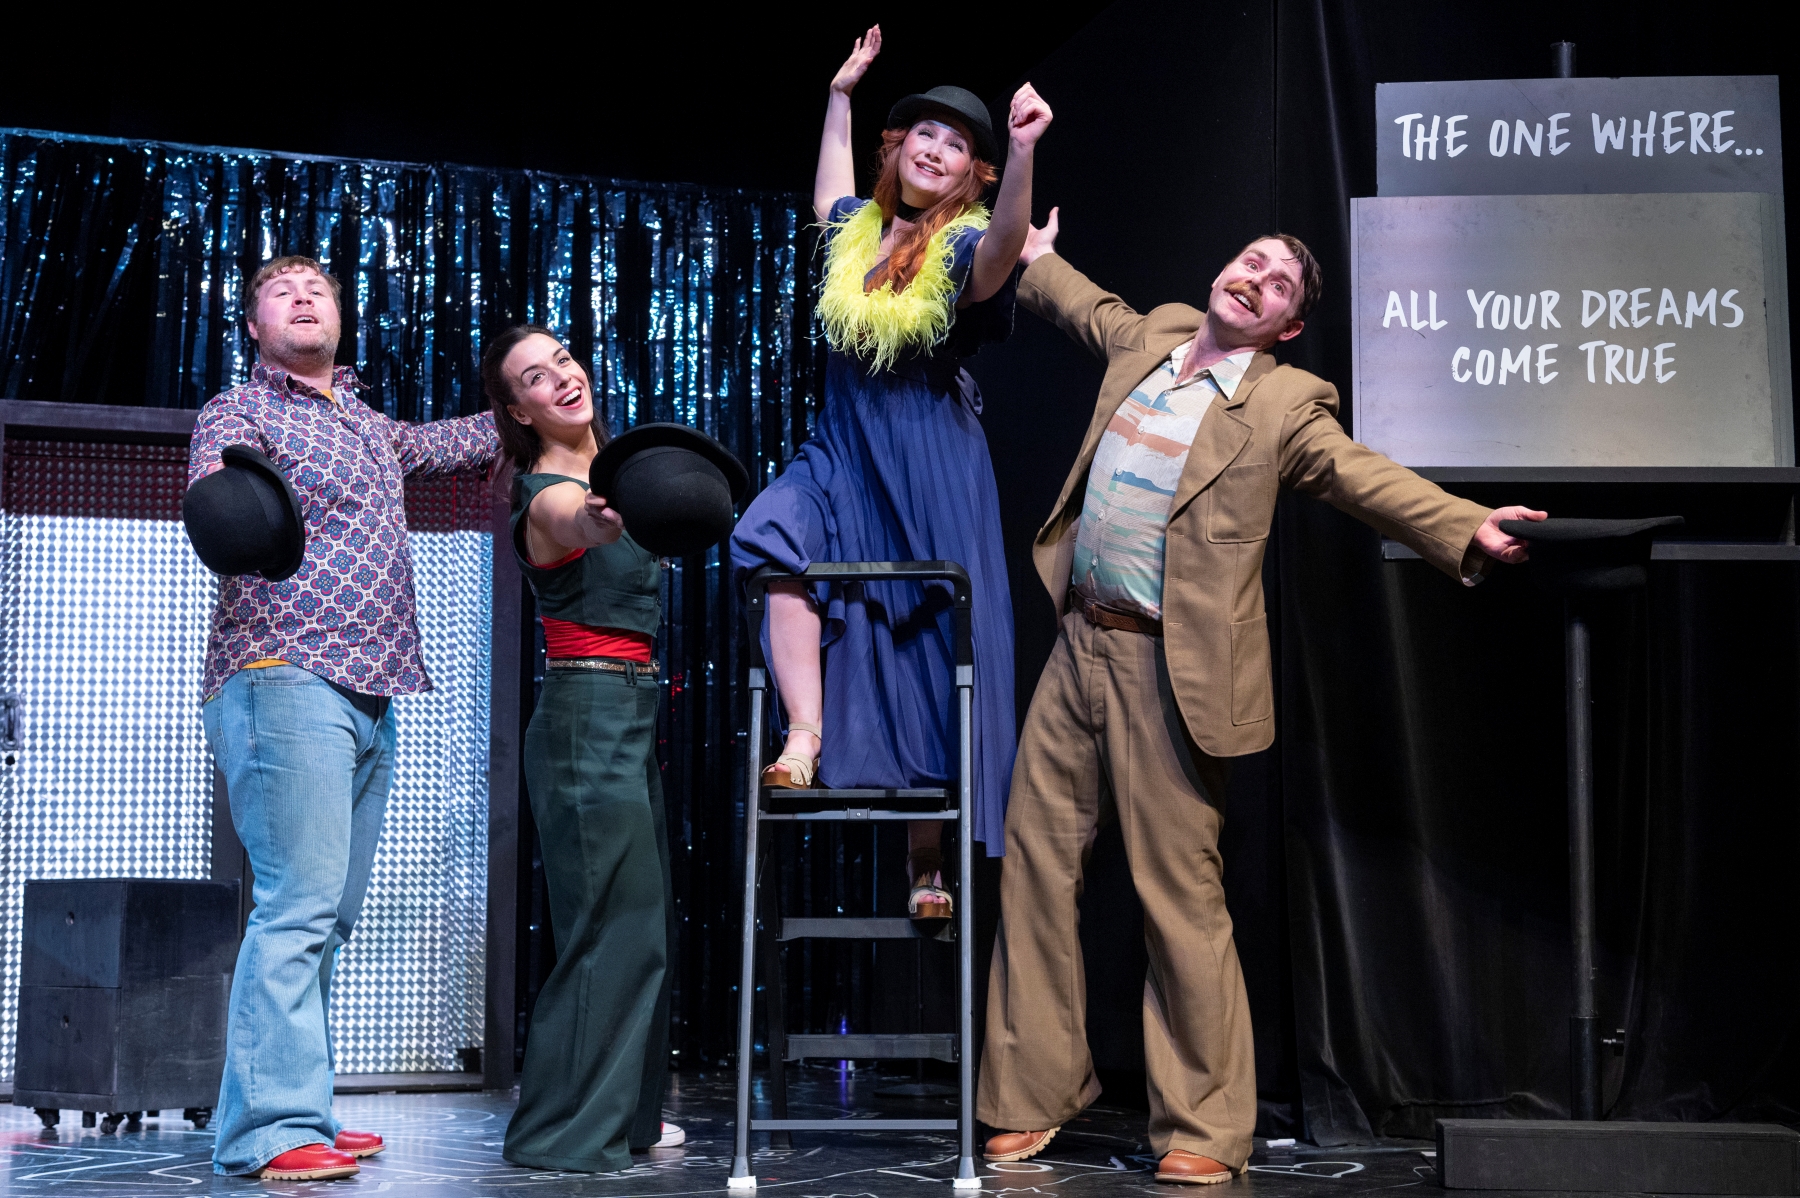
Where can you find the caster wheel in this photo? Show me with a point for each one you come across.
(87, 1118)
(50, 1116)
(199, 1116)
(134, 1121)
(110, 1123)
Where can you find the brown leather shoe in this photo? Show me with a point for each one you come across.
(1190, 1168)
(1018, 1145)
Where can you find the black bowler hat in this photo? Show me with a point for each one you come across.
(245, 518)
(674, 487)
(961, 103)
(1575, 556)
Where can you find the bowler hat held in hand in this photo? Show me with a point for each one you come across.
(1577, 556)
(245, 518)
(674, 487)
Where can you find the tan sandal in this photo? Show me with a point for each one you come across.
(791, 771)
(929, 899)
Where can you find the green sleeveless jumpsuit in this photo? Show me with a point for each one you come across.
(596, 1059)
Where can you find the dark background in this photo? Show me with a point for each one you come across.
(1397, 862)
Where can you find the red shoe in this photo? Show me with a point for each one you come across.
(359, 1143)
(310, 1162)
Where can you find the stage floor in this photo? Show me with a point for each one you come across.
(449, 1144)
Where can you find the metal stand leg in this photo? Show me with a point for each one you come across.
(774, 992)
(1584, 1062)
(741, 1177)
(965, 940)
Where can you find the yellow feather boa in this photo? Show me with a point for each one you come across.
(883, 323)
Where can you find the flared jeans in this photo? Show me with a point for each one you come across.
(308, 765)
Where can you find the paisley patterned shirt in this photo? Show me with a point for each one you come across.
(348, 614)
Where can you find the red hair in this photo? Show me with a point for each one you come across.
(908, 253)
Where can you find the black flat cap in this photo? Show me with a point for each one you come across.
(674, 487)
(1570, 556)
(246, 518)
(960, 103)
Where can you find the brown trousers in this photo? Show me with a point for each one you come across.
(1103, 732)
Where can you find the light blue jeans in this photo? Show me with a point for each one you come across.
(307, 767)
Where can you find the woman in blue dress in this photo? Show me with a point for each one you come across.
(897, 468)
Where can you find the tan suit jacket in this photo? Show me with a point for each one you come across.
(1278, 430)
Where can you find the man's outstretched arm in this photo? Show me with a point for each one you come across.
(1093, 317)
(1452, 533)
(446, 446)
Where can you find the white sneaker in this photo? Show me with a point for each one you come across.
(672, 1137)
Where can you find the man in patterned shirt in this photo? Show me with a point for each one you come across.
(297, 702)
(1161, 675)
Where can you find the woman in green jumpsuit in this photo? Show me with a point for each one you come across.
(596, 1059)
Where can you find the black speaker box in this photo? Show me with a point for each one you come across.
(124, 988)
(1640, 1158)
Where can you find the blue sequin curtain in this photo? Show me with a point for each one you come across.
(121, 269)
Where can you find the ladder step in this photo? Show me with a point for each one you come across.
(856, 813)
(853, 1125)
(939, 1046)
(781, 799)
(873, 792)
(861, 929)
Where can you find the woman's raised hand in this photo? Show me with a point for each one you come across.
(1029, 117)
(857, 65)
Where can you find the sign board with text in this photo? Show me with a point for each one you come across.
(1572, 136)
(1642, 340)
(1575, 272)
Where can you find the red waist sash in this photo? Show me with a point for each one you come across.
(565, 638)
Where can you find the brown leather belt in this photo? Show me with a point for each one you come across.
(1106, 617)
(604, 665)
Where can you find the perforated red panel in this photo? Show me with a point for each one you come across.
(146, 482)
(81, 478)
(452, 503)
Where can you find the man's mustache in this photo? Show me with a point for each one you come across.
(1250, 294)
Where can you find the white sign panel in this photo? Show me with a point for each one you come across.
(1572, 330)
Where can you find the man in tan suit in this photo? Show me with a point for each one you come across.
(1160, 675)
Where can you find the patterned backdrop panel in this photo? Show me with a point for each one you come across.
(411, 984)
(102, 628)
(103, 621)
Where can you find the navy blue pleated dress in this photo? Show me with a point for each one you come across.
(898, 470)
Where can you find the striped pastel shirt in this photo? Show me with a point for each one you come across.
(1125, 518)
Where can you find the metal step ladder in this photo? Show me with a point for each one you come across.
(765, 806)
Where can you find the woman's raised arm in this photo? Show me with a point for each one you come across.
(837, 163)
(564, 518)
(1005, 236)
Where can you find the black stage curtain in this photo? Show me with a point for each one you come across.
(1422, 764)
(1397, 864)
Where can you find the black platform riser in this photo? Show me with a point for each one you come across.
(1644, 1158)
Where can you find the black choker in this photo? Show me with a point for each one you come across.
(906, 211)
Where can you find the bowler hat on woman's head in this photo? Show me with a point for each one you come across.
(673, 486)
(960, 103)
(246, 518)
